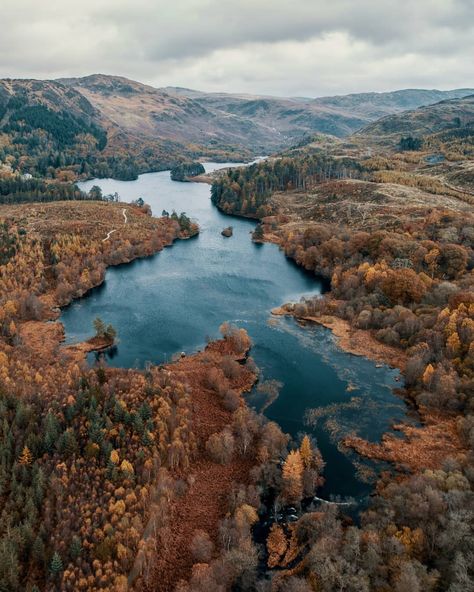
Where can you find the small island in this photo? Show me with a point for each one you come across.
(184, 171)
(228, 232)
(258, 234)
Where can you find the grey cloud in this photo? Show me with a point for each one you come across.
(280, 46)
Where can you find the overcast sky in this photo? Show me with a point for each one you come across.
(280, 47)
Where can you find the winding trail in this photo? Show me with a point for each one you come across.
(108, 235)
(125, 218)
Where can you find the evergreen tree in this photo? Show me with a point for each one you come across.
(38, 550)
(51, 431)
(258, 233)
(75, 548)
(110, 332)
(99, 327)
(56, 565)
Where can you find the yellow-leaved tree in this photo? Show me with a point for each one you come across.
(26, 458)
(293, 477)
(276, 545)
(306, 452)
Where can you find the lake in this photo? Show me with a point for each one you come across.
(173, 301)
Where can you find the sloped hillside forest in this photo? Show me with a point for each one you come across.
(164, 479)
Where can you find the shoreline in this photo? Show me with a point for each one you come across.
(357, 342)
(420, 447)
(54, 310)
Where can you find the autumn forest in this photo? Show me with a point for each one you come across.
(178, 471)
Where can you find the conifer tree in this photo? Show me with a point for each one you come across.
(56, 565)
(75, 547)
(99, 327)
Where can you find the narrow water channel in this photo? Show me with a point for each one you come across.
(172, 301)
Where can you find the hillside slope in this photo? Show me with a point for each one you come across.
(45, 126)
(262, 123)
(449, 116)
(293, 118)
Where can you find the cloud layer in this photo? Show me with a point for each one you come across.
(282, 47)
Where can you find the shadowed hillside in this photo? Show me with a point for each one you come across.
(452, 117)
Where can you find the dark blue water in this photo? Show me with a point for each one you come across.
(173, 301)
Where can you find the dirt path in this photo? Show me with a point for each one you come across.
(125, 218)
(108, 235)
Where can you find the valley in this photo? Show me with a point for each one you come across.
(284, 407)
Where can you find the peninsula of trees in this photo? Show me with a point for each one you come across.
(186, 170)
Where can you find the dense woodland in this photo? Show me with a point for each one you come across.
(184, 170)
(55, 144)
(19, 190)
(89, 457)
(97, 463)
(246, 191)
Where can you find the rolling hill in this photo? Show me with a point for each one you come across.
(110, 126)
(448, 118)
(262, 124)
(292, 118)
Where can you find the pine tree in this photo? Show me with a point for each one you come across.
(145, 411)
(99, 327)
(69, 442)
(138, 424)
(110, 332)
(51, 431)
(38, 485)
(56, 565)
(258, 233)
(38, 550)
(75, 548)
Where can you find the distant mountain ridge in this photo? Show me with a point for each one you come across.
(260, 122)
(111, 126)
(448, 118)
